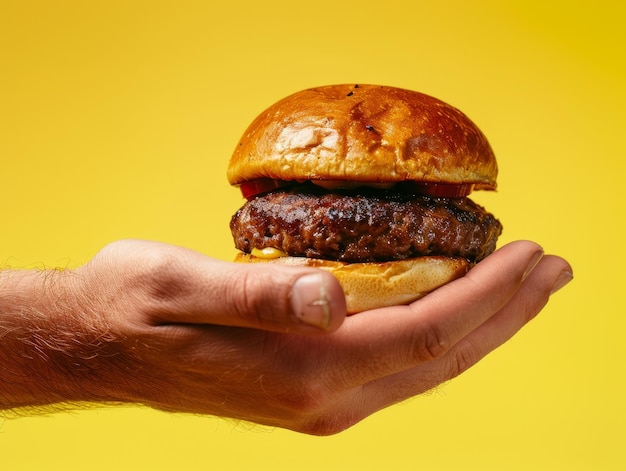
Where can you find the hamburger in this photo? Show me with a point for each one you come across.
(368, 182)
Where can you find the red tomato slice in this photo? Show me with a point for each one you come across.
(260, 186)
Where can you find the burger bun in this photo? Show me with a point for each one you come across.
(373, 285)
(366, 134)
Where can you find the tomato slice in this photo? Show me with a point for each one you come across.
(253, 188)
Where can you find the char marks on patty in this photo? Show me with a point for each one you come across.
(365, 225)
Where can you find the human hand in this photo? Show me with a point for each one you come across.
(177, 331)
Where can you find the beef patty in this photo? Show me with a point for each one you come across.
(366, 226)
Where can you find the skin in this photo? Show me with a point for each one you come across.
(159, 325)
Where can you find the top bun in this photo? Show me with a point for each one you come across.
(365, 133)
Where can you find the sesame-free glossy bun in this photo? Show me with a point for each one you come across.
(364, 133)
(380, 284)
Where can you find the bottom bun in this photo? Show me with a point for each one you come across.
(379, 284)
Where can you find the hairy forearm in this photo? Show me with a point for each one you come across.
(48, 341)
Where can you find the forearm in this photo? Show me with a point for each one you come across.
(47, 349)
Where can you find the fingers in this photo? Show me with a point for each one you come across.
(528, 301)
(185, 287)
(550, 274)
(400, 338)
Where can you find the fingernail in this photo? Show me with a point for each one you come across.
(310, 301)
(564, 278)
(533, 263)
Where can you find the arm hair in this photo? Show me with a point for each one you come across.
(55, 348)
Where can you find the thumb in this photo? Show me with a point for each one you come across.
(264, 296)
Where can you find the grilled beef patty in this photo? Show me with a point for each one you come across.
(365, 226)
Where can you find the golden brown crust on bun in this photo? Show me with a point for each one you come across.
(365, 133)
(379, 284)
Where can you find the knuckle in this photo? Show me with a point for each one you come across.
(242, 292)
(253, 301)
(460, 360)
(428, 343)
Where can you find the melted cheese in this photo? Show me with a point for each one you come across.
(268, 252)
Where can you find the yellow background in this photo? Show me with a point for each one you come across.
(117, 119)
